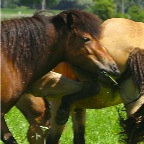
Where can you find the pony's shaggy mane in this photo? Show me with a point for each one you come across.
(23, 39)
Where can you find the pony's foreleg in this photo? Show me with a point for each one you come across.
(89, 89)
(55, 131)
(79, 119)
(54, 134)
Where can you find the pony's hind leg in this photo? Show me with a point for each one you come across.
(79, 119)
(89, 89)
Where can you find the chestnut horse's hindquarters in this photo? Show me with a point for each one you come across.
(53, 85)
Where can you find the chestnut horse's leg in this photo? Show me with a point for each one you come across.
(89, 89)
(79, 119)
(37, 112)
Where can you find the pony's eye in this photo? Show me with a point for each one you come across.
(86, 39)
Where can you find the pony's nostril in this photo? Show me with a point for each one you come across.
(115, 69)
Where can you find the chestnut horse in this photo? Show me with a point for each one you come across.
(123, 39)
(32, 46)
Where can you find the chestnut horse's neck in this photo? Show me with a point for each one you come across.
(33, 45)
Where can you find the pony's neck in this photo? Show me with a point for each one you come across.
(53, 54)
(34, 45)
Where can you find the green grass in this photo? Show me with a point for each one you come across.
(101, 127)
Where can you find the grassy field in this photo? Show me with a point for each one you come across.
(101, 127)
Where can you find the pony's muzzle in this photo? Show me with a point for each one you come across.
(111, 69)
(114, 70)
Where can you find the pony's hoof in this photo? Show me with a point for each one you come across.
(62, 116)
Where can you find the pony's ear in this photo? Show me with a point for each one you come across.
(70, 21)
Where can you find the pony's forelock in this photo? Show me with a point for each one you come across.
(84, 21)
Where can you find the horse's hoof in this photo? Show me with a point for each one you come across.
(62, 116)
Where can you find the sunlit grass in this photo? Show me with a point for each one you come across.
(101, 127)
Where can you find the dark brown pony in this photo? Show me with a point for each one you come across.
(128, 52)
(32, 46)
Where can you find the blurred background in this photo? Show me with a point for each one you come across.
(132, 9)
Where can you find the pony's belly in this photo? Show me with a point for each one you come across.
(107, 97)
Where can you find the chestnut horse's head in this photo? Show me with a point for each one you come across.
(83, 49)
